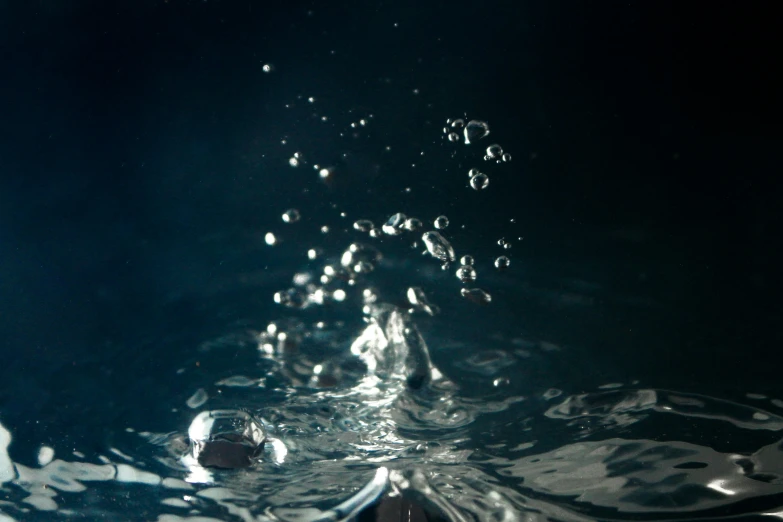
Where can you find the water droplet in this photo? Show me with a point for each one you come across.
(376, 233)
(475, 130)
(291, 298)
(479, 182)
(363, 225)
(326, 375)
(502, 262)
(476, 295)
(458, 123)
(270, 239)
(466, 261)
(494, 151)
(437, 246)
(268, 67)
(395, 224)
(311, 99)
(473, 172)
(291, 215)
(227, 439)
(197, 399)
(453, 137)
(418, 299)
(324, 173)
(466, 274)
(501, 381)
(294, 162)
(314, 253)
(441, 222)
(412, 224)
(506, 157)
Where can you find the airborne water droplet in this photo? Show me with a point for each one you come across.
(479, 181)
(363, 225)
(437, 246)
(466, 274)
(476, 295)
(453, 136)
(475, 130)
(412, 224)
(494, 151)
(506, 157)
(502, 262)
(291, 215)
(441, 222)
(466, 260)
(394, 226)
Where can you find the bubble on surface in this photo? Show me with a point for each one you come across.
(419, 301)
(363, 225)
(227, 439)
(197, 399)
(476, 295)
(466, 260)
(475, 130)
(502, 262)
(395, 225)
(441, 222)
(506, 157)
(466, 274)
(291, 215)
(453, 137)
(479, 181)
(438, 246)
(494, 152)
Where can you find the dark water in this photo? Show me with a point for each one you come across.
(624, 368)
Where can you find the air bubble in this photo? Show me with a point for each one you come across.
(494, 151)
(475, 130)
(479, 181)
(502, 262)
(476, 295)
(227, 439)
(441, 222)
(466, 274)
(437, 246)
(363, 225)
(291, 215)
(466, 260)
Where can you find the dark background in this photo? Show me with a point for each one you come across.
(140, 154)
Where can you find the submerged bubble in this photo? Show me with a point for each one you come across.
(453, 136)
(438, 246)
(395, 224)
(479, 181)
(494, 151)
(466, 260)
(475, 130)
(441, 222)
(291, 215)
(502, 262)
(363, 225)
(476, 295)
(227, 439)
(466, 274)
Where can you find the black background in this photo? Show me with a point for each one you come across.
(131, 132)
